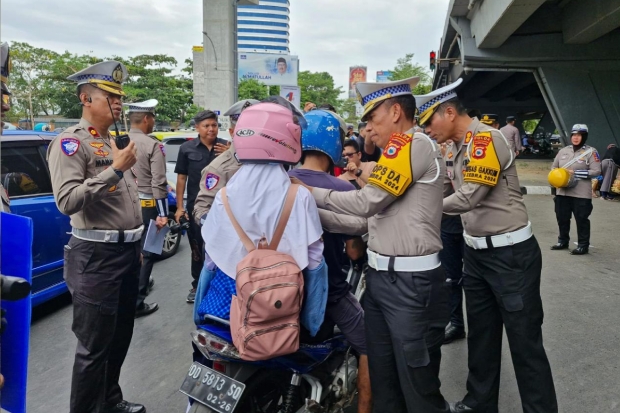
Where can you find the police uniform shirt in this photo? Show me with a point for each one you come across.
(513, 136)
(481, 170)
(213, 178)
(401, 203)
(151, 165)
(193, 157)
(85, 186)
(591, 163)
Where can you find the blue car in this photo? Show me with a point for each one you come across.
(25, 176)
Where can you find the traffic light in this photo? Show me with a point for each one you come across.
(433, 60)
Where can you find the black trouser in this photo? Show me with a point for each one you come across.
(148, 258)
(451, 257)
(103, 280)
(197, 245)
(581, 208)
(406, 314)
(502, 288)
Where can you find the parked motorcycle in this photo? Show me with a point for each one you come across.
(319, 377)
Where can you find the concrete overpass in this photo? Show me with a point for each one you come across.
(559, 59)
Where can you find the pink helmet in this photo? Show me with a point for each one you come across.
(266, 133)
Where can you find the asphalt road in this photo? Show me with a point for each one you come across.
(581, 297)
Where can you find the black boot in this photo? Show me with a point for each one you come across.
(453, 333)
(580, 250)
(560, 246)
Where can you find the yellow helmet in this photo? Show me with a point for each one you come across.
(559, 178)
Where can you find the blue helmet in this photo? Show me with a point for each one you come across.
(325, 133)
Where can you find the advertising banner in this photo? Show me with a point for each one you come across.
(292, 94)
(356, 74)
(269, 69)
(383, 76)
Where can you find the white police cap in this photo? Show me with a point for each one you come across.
(428, 104)
(148, 106)
(370, 94)
(108, 76)
(579, 128)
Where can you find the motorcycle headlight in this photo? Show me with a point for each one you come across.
(213, 347)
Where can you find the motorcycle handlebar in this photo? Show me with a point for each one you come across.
(13, 288)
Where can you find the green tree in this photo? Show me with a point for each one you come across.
(347, 110)
(252, 89)
(406, 68)
(318, 87)
(530, 125)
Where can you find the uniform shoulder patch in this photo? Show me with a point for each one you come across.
(393, 172)
(211, 181)
(161, 148)
(69, 146)
(597, 157)
(484, 167)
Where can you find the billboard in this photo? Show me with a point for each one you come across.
(356, 74)
(383, 76)
(292, 94)
(269, 69)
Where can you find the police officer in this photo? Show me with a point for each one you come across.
(490, 120)
(406, 301)
(217, 174)
(577, 198)
(5, 68)
(93, 182)
(150, 170)
(502, 260)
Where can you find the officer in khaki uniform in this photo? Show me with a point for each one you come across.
(5, 67)
(150, 170)
(576, 199)
(502, 259)
(406, 301)
(93, 183)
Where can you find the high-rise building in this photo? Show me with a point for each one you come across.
(263, 28)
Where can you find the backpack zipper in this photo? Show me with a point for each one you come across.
(268, 330)
(260, 290)
(264, 268)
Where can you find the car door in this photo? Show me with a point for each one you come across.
(25, 176)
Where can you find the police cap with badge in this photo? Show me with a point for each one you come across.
(429, 103)
(371, 95)
(148, 106)
(488, 119)
(108, 76)
(235, 110)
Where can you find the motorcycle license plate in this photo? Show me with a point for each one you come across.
(213, 389)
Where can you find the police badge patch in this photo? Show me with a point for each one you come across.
(211, 181)
(69, 146)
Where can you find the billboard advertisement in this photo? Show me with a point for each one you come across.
(383, 76)
(269, 69)
(356, 74)
(292, 94)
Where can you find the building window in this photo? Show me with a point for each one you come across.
(261, 7)
(263, 47)
(258, 23)
(265, 31)
(264, 15)
(262, 39)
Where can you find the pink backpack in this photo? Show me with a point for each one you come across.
(264, 316)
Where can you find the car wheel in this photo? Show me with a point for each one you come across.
(171, 242)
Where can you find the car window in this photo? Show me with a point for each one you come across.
(171, 147)
(24, 170)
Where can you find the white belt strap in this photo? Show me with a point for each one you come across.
(403, 264)
(498, 241)
(142, 195)
(110, 236)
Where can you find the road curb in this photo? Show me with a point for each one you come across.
(536, 190)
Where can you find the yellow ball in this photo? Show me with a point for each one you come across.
(559, 178)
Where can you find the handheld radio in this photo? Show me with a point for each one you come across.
(122, 141)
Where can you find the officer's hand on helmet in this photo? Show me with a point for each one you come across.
(161, 222)
(124, 158)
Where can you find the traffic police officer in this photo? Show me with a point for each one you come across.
(93, 182)
(217, 174)
(5, 68)
(490, 120)
(576, 199)
(406, 301)
(502, 260)
(150, 170)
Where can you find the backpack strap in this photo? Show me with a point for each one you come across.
(286, 213)
(247, 242)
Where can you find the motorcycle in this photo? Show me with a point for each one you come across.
(319, 377)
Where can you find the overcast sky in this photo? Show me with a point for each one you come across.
(327, 35)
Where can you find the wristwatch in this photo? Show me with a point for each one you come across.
(358, 173)
(118, 173)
